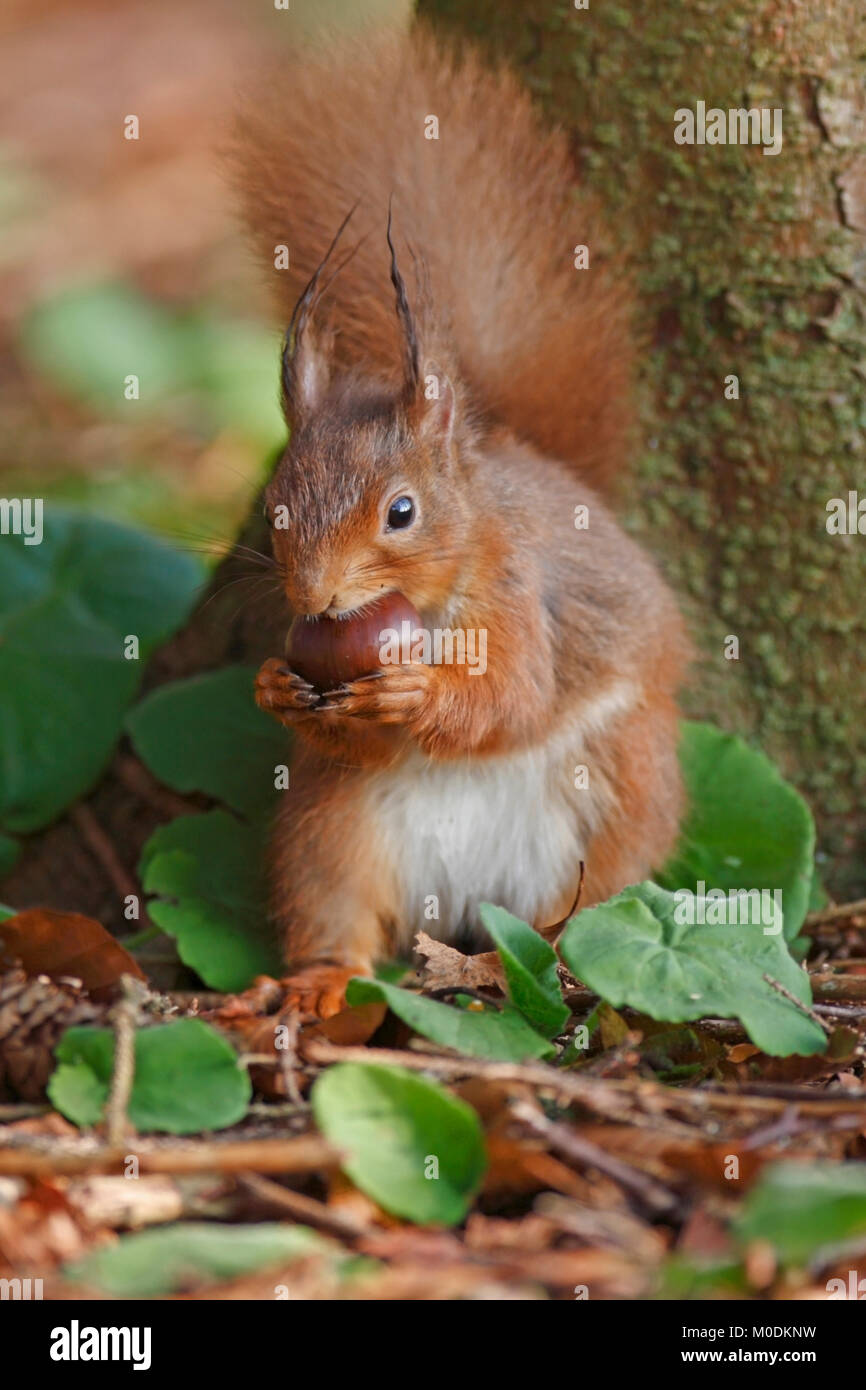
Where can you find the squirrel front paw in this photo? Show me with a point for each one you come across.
(393, 695)
(316, 993)
(284, 694)
(313, 992)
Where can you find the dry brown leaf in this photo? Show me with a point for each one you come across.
(704, 1234)
(42, 1230)
(350, 1027)
(59, 944)
(446, 968)
(347, 1199)
(515, 1166)
(530, 1232)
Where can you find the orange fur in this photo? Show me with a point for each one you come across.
(490, 207)
(585, 644)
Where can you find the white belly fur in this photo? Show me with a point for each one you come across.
(510, 830)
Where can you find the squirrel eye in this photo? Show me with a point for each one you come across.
(401, 513)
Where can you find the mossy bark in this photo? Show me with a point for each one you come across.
(745, 264)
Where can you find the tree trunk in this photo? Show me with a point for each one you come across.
(752, 265)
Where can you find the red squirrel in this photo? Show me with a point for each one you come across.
(458, 396)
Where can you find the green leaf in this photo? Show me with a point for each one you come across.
(703, 1277)
(189, 1255)
(66, 607)
(207, 734)
(9, 851)
(632, 951)
(187, 1078)
(7, 912)
(746, 827)
(802, 1208)
(530, 969)
(207, 872)
(409, 1144)
(88, 339)
(818, 895)
(209, 374)
(501, 1035)
(240, 374)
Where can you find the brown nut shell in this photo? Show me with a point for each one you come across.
(329, 651)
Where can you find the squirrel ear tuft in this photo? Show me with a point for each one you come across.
(306, 369)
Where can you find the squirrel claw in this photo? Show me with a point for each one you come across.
(283, 693)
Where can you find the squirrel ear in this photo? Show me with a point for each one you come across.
(306, 375)
(433, 413)
(306, 370)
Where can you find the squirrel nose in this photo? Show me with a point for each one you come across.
(310, 601)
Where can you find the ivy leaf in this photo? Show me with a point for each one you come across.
(9, 851)
(632, 951)
(409, 1144)
(187, 1078)
(207, 734)
(207, 873)
(746, 827)
(530, 969)
(501, 1035)
(66, 608)
(801, 1208)
(190, 1254)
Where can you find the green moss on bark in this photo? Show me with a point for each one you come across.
(747, 264)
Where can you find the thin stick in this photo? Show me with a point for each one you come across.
(559, 927)
(798, 1004)
(617, 1100)
(142, 784)
(562, 1139)
(103, 850)
(301, 1154)
(837, 913)
(124, 1017)
(603, 1098)
(828, 989)
(303, 1208)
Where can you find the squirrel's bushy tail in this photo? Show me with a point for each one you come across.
(490, 207)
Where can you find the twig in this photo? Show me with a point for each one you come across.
(301, 1154)
(124, 1017)
(288, 1059)
(22, 1110)
(837, 913)
(103, 850)
(451, 991)
(303, 1208)
(828, 988)
(798, 1004)
(655, 1198)
(843, 1013)
(604, 1098)
(627, 1101)
(142, 784)
(559, 927)
(786, 1126)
